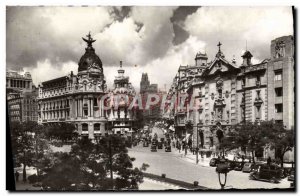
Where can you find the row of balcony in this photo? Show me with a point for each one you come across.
(57, 107)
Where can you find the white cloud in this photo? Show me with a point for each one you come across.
(59, 31)
(46, 71)
(161, 70)
(233, 26)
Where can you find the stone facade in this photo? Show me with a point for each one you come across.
(154, 113)
(121, 117)
(281, 83)
(225, 93)
(21, 96)
(77, 98)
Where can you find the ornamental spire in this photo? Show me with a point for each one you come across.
(90, 40)
(219, 45)
(220, 54)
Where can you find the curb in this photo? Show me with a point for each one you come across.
(184, 185)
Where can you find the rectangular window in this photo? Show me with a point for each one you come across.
(278, 92)
(257, 112)
(278, 75)
(278, 108)
(95, 102)
(85, 113)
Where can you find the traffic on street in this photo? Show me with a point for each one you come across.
(176, 165)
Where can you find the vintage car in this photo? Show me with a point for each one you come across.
(153, 148)
(159, 145)
(291, 177)
(248, 167)
(238, 166)
(167, 148)
(213, 162)
(271, 173)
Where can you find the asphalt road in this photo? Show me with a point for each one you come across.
(174, 166)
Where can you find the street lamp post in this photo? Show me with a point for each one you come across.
(222, 168)
(199, 125)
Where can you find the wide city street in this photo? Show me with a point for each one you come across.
(178, 167)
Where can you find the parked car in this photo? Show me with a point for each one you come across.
(291, 177)
(271, 173)
(248, 167)
(167, 148)
(154, 142)
(238, 166)
(230, 164)
(153, 148)
(213, 162)
(159, 145)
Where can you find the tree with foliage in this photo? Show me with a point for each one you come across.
(251, 137)
(22, 143)
(61, 131)
(61, 172)
(227, 142)
(92, 163)
(280, 139)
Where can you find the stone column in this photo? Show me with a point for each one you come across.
(92, 107)
(76, 107)
(89, 106)
(101, 108)
(102, 128)
(91, 130)
(80, 107)
(79, 129)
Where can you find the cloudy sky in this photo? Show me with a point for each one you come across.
(47, 40)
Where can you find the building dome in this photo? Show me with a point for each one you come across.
(90, 59)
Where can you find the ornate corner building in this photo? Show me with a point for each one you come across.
(120, 116)
(77, 98)
(225, 93)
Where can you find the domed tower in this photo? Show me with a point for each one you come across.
(121, 116)
(90, 63)
(201, 59)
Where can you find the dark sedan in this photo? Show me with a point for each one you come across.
(238, 166)
(213, 162)
(153, 148)
(168, 148)
(159, 145)
(271, 173)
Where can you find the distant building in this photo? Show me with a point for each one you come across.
(120, 118)
(21, 97)
(30, 105)
(19, 82)
(14, 103)
(153, 113)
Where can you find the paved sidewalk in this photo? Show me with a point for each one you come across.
(190, 157)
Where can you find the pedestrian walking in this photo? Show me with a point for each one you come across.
(17, 176)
